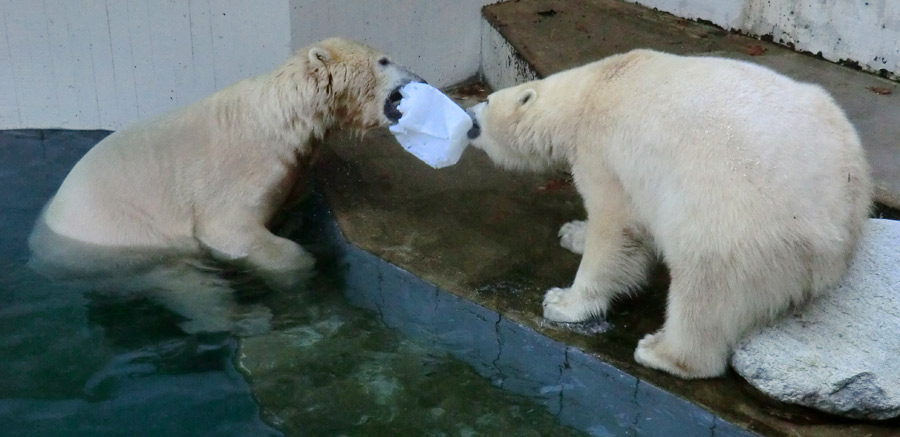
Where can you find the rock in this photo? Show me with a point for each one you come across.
(840, 353)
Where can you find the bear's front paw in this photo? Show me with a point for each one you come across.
(571, 236)
(565, 305)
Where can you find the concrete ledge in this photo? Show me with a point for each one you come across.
(555, 35)
(582, 390)
(501, 65)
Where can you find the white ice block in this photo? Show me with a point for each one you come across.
(433, 127)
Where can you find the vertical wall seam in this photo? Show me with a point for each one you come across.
(212, 42)
(12, 71)
(52, 63)
(191, 34)
(96, 85)
(134, 79)
(112, 59)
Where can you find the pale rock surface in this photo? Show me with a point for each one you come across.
(840, 353)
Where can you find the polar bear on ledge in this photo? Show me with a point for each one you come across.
(753, 188)
(208, 178)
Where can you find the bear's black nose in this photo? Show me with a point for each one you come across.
(391, 105)
(475, 131)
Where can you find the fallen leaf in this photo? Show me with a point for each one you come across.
(755, 50)
(556, 184)
(881, 91)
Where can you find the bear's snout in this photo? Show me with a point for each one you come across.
(475, 131)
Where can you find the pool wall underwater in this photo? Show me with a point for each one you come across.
(583, 391)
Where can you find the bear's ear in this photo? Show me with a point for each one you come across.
(526, 96)
(319, 57)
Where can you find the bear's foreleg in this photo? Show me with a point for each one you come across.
(280, 262)
(206, 300)
(616, 260)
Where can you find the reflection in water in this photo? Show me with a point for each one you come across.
(188, 285)
(79, 363)
(191, 286)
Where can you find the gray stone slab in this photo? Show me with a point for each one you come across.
(363, 285)
(841, 353)
(408, 302)
(597, 397)
(663, 414)
(530, 364)
(469, 332)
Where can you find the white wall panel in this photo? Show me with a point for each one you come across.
(88, 64)
(864, 31)
(9, 98)
(105, 63)
(438, 39)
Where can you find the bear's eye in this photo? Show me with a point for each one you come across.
(487, 101)
(383, 61)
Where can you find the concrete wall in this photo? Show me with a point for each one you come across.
(439, 40)
(864, 31)
(501, 64)
(88, 64)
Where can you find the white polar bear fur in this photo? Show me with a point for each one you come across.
(752, 187)
(206, 179)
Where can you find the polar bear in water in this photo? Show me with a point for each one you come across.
(146, 203)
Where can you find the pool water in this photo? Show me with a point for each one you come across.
(77, 361)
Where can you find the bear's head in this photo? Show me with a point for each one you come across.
(515, 129)
(359, 85)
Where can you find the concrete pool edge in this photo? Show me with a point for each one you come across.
(582, 390)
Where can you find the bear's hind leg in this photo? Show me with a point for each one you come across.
(704, 318)
(203, 298)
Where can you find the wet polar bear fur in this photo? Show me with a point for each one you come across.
(207, 179)
(753, 188)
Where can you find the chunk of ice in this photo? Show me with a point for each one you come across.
(433, 127)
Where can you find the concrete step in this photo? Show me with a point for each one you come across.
(525, 39)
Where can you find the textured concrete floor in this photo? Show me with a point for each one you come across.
(490, 236)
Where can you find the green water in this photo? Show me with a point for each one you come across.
(77, 362)
(331, 369)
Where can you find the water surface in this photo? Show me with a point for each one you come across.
(79, 361)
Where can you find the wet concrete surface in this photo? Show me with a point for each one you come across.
(489, 236)
(554, 35)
